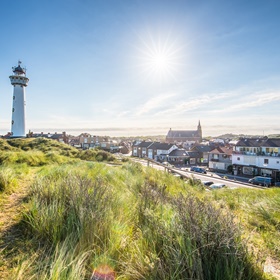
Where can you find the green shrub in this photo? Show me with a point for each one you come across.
(70, 205)
(8, 179)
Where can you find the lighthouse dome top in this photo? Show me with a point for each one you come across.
(19, 69)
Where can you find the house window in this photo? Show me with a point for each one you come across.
(265, 161)
(238, 158)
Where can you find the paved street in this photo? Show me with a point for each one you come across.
(231, 182)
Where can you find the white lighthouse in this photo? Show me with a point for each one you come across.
(19, 81)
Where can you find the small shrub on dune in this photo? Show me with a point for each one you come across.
(69, 152)
(70, 205)
(104, 156)
(8, 158)
(89, 155)
(8, 179)
(4, 146)
(16, 142)
(54, 157)
(125, 159)
(96, 155)
(32, 158)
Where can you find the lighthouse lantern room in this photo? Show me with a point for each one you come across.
(19, 81)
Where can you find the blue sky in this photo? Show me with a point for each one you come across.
(140, 67)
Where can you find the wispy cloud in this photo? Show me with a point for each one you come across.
(154, 103)
(253, 100)
(194, 104)
(123, 114)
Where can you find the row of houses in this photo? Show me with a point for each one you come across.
(246, 157)
(172, 153)
(87, 141)
(83, 141)
(257, 156)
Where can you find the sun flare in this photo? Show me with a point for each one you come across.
(159, 61)
(159, 58)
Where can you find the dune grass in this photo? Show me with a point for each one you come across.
(259, 213)
(43, 151)
(82, 215)
(142, 223)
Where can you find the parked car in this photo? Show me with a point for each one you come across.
(261, 181)
(167, 164)
(178, 176)
(207, 183)
(217, 186)
(198, 169)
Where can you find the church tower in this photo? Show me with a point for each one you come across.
(19, 81)
(199, 131)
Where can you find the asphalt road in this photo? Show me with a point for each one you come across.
(210, 176)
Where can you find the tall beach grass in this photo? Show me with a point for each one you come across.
(142, 223)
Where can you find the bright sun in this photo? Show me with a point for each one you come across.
(159, 59)
(159, 62)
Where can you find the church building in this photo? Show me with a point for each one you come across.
(176, 136)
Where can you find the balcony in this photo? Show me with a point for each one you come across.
(256, 154)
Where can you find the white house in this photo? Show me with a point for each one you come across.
(257, 156)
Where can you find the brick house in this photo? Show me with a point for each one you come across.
(203, 151)
(220, 159)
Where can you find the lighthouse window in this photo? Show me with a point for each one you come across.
(13, 109)
(12, 122)
(14, 97)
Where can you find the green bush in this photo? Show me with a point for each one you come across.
(96, 155)
(70, 205)
(8, 179)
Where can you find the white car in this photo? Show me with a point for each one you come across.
(217, 186)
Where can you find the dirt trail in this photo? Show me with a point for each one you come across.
(11, 206)
(273, 267)
(11, 210)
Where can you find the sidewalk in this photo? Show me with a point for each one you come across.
(232, 177)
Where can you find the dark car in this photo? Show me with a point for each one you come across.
(207, 183)
(198, 169)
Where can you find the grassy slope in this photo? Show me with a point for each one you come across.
(140, 222)
(41, 151)
(258, 211)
